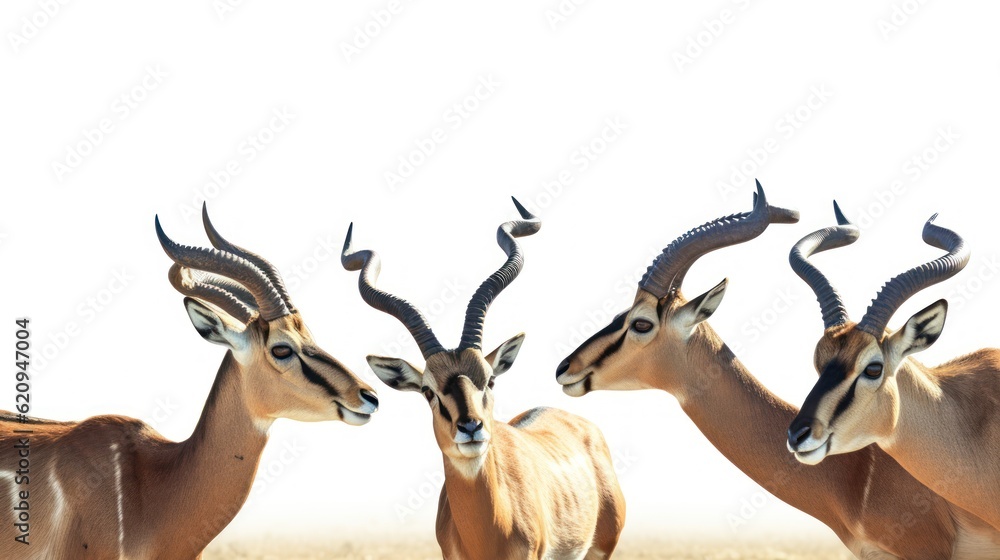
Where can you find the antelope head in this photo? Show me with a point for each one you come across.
(457, 383)
(855, 402)
(237, 299)
(639, 349)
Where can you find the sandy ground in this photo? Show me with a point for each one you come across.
(268, 549)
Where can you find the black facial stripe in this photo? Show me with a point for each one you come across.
(845, 401)
(322, 357)
(833, 374)
(451, 386)
(313, 377)
(444, 411)
(616, 325)
(611, 349)
(462, 405)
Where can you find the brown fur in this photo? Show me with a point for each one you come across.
(543, 487)
(874, 506)
(502, 512)
(175, 496)
(941, 423)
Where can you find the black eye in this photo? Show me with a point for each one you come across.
(281, 351)
(873, 370)
(642, 326)
(427, 393)
(489, 384)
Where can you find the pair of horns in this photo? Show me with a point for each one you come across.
(666, 274)
(472, 332)
(238, 281)
(895, 291)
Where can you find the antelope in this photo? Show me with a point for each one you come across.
(940, 423)
(665, 342)
(542, 486)
(112, 487)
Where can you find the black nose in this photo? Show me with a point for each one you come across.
(370, 397)
(563, 367)
(468, 426)
(798, 432)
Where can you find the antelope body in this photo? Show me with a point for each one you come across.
(111, 487)
(940, 423)
(664, 342)
(541, 487)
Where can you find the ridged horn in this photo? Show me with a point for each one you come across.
(183, 280)
(370, 265)
(902, 287)
(669, 268)
(231, 266)
(475, 314)
(841, 235)
(269, 269)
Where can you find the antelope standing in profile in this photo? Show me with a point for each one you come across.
(664, 342)
(541, 487)
(112, 487)
(940, 423)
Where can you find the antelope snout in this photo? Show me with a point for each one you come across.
(370, 399)
(809, 440)
(470, 430)
(469, 426)
(562, 368)
(358, 415)
(798, 432)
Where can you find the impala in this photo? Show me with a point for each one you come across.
(542, 486)
(664, 342)
(940, 423)
(111, 487)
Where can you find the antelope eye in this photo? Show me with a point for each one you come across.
(873, 370)
(427, 393)
(281, 351)
(490, 383)
(642, 326)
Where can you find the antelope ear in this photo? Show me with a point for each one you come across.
(217, 326)
(502, 358)
(703, 306)
(397, 373)
(920, 331)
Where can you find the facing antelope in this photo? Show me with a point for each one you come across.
(112, 487)
(940, 423)
(664, 342)
(542, 486)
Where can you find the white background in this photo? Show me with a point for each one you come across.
(698, 98)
